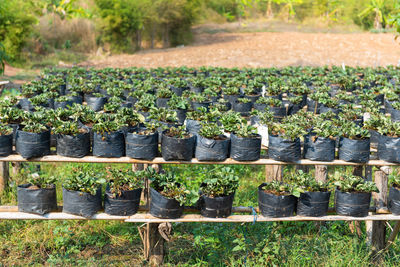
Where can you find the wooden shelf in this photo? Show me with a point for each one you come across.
(159, 160)
(147, 218)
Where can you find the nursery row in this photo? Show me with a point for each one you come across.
(116, 112)
(82, 194)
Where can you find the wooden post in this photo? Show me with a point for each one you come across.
(16, 168)
(380, 199)
(321, 173)
(4, 175)
(273, 172)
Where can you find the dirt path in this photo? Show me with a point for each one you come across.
(267, 49)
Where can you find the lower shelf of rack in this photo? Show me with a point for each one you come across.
(147, 218)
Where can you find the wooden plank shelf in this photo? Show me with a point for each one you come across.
(159, 160)
(147, 218)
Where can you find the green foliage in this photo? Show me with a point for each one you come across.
(246, 131)
(121, 180)
(394, 179)
(351, 130)
(288, 130)
(305, 182)
(163, 115)
(33, 126)
(278, 188)
(41, 180)
(178, 132)
(231, 121)
(108, 123)
(210, 130)
(178, 102)
(222, 182)
(352, 183)
(16, 22)
(68, 128)
(5, 130)
(83, 180)
(3, 58)
(167, 185)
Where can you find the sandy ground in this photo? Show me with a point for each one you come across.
(267, 49)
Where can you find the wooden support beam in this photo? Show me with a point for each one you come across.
(321, 173)
(378, 241)
(4, 175)
(273, 173)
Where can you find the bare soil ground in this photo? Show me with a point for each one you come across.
(267, 49)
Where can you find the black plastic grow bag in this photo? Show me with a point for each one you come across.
(38, 201)
(30, 145)
(374, 139)
(389, 149)
(242, 108)
(283, 149)
(81, 203)
(212, 150)
(96, 103)
(73, 146)
(162, 207)
(245, 149)
(352, 204)
(394, 201)
(6, 145)
(181, 114)
(271, 205)
(177, 148)
(125, 205)
(313, 204)
(162, 102)
(109, 145)
(141, 146)
(354, 150)
(216, 207)
(319, 149)
(193, 126)
(15, 127)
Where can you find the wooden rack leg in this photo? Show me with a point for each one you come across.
(4, 175)
(273, 172)
(380, 199)
(321, 173)
(16, 168)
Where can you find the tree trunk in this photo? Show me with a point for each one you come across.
(166, 36)
(270, 13)
(139, 39)
(152, 36)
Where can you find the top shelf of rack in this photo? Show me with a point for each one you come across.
(159, 160)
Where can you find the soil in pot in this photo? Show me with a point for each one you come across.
(245, 149)
(276, 206)
(313, 204)
(352, 204)
(163, 207)
(125, 205)
(36, 200)
(81, 203)
(30, 145)
(354, 150)
(283, 149)
(319, 148)
(141, 145)
(109, 145)
(216, 207)
(394, 200)
(72, 146)
(212, 149)
(173, 148)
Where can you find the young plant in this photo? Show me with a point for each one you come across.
(40, 180)
(85, 181)
(32, 126)
(211, 131)
(163, 115)
(223, 182)
(120, 180)
(278, 188)
(231, 121)
(68, 128)
(243, 100)
(178, 132)
(5, 130)
(178, 102)
(246, 131)
(269, 101)
(351, 130)
(106, 123)
(352, 183)
(167, 185)
(288, 131)
(164, 93)
(305, 182)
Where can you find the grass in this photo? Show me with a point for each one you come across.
(93, 243)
